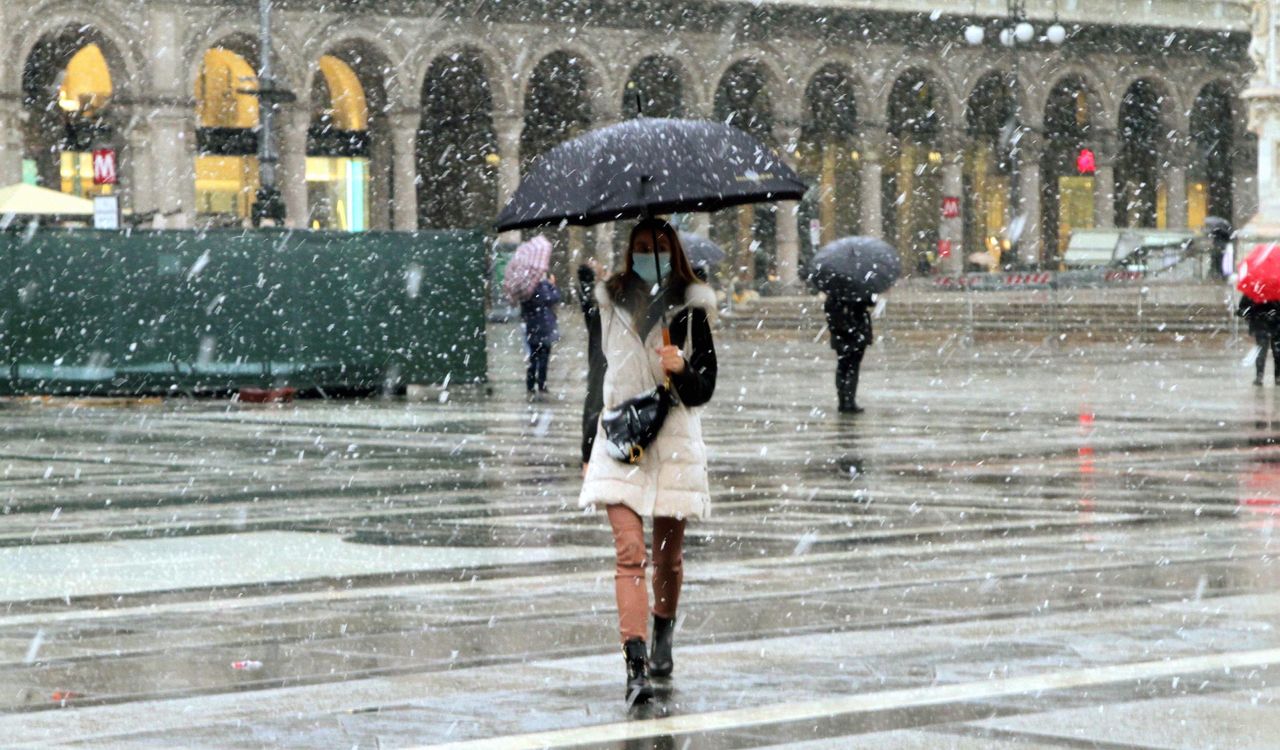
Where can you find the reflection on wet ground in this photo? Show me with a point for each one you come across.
(1014, 547)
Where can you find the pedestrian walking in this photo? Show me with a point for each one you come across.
(849, 321)
(1263, 319)
(667, 482)
(596, 363)
(540, 333)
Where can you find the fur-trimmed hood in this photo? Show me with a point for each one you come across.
(634, 300)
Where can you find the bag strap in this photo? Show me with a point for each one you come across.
(613, 312)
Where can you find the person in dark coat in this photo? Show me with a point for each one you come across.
(849, 320)
(1263, 319)
(596, 362)
(540, 333)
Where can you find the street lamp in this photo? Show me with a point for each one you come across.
(1017, 30)
(72, 108)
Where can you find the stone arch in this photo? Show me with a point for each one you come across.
(501, 81)
(58, 133)
(946, 102)
(1073, 120)
(693, 76)
(1020, 91)
(1213, 143)
(594, 83)
(917, 114)
(241, 37)
(771, 75)
(660, 82)
(930, 117)
(370, 61)
(105, 29)
(744, 99)
(1100, 105)
(828, 155)
(1144, 124)
(457, 143)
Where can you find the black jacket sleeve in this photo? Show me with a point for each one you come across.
(695, 385)
(596, 363)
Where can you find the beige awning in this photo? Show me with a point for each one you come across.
(24, 199)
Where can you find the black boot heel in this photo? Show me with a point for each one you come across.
(638, 688)
(661, 663)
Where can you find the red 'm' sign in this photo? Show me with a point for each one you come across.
(104, 166)
(950, 207)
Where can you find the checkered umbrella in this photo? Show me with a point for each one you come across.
(526, 269)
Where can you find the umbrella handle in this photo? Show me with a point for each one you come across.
(666, 336)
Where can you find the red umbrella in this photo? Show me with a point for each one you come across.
(1258, 277)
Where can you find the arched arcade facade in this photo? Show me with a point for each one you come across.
(389, 135)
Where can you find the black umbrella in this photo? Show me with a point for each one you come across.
(700, 250)
(855, 267)
(648, 166)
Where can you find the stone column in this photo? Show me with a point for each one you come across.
(404, 178)
(1030, 150)
(604, 244)
(380, 173)
(1244, 179)
(137, 172)
(161, 135)
(788, 213)
(951, 229)
(1106, 150)
(10, 138)
(509, 128)
(169, 139)
(293, 166)
(874, 142)
(1177, 159)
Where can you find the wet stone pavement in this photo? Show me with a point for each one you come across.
(1016, 546)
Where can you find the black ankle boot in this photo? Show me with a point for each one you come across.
(660, 661)
(638, 688)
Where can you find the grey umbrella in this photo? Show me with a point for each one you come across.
(855, 267)
(701, 251)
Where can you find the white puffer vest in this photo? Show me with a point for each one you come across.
(670, 481)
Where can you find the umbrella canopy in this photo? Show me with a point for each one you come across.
(700, 250)
(1258, 277)
(24, 199)
(526, 268)
(855, 267)
(648, 166)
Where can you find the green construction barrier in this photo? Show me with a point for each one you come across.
(89, 312)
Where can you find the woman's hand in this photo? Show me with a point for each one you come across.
(672, 359)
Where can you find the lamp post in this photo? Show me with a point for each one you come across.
(72, 108)
(269, 207)
(1015, 30)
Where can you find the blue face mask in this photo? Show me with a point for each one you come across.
(644, 266)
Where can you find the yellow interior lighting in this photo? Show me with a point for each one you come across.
(86, 87)
(219, 103)
(347, 105)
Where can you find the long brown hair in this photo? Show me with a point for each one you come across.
(681, 270)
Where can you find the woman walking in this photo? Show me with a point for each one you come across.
(1264, 320)
(540, 332)
(668, 483)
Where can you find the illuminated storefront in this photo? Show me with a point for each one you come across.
(338, 150)
(226, 165)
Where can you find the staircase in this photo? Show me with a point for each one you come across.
(1167, 313)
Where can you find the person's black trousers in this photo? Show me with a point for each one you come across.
(848, 363)
(536, 374)
(1266, 342)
